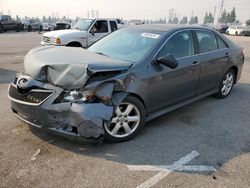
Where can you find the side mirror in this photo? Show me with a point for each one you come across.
(168, 60)
(92, 32)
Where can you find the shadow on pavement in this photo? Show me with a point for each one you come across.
(218, 129)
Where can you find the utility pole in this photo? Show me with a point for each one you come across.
(221, 10)
(214, 15)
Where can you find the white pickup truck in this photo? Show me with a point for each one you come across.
(84, 33)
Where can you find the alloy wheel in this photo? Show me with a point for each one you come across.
(227, 83)
(125, 121)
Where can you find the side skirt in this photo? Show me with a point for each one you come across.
(179, 105)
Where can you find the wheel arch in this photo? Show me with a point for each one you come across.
(235, 69)
(74, 44)
(140, 99)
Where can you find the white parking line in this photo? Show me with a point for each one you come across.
(166, 170)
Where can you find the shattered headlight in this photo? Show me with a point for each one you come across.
(101, 93)
(77, 96)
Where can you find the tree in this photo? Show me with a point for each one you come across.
(223, 17)
(248, 22)
(228, 17)
(184, 20)
(44, 19)
(208, 18)
(175, 20)
(17, 18)
(193, 20)
(49, 19)
(233, 15)
(64, 18)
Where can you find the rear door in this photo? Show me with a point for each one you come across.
(214, 58)
(170, 86)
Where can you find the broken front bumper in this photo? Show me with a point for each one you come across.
(40, 108)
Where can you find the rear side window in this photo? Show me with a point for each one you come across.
(113, 26)
(180, 45)
(221, 43)
(207, 41)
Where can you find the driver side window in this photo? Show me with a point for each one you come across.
(180, 45)
(100, 26)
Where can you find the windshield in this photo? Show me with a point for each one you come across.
(83, 24)
(126, 44)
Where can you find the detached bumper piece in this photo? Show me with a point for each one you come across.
(38, 107)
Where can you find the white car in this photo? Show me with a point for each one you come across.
(83, 34)
(235, 30)
(48, 26)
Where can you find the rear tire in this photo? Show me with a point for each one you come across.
(29, 28)
(236, 33)
(226, 85)
(127, 122)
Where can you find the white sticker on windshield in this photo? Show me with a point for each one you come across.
(150, 35)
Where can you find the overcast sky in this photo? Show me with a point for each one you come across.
(127, 9)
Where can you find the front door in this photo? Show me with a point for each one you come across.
(97, 31)
(170, 86)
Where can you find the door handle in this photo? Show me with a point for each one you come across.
(227, 54)
(195, 63)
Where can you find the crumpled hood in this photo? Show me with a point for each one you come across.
(59, 33)
(68, 67)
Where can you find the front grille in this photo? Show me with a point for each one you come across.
(46, 39)
(32, 97)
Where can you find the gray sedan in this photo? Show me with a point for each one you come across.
(125, 79)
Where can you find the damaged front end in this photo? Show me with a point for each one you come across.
(79, 113)
(69, 91)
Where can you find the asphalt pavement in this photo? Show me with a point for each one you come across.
(205, 144)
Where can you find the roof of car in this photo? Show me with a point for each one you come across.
(166, 27)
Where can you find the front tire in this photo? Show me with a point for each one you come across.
(127, 122)
(226, 85)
